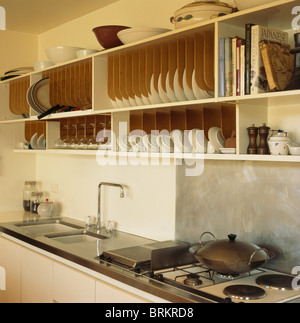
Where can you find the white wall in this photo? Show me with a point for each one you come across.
(148, 208)
(15, 169)
(17, 50)
(133, 13)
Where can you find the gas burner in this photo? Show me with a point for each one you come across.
(244, 292)
(227, 276)
(276, 282)
(192, 280)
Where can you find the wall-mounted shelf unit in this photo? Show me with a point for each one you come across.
(165, 82)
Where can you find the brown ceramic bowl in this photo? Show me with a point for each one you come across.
(107, 35)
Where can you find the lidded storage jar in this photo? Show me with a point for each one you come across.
(36, 199)
(46, 208)
(278, 143)
(30, 187)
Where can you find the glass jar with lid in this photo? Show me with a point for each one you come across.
(36, 199)
(30, 187)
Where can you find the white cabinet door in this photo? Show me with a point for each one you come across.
(10, 260)
(71, 286)
(106, 293)
(37, 273)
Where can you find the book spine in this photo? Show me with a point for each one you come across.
(267, 64)
(221, 67)
(254, 59)
(238, 66)
(243, 68)
(248, 59)
(234, 66)
(228, 66)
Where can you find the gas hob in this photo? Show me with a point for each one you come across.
(171, 264)
(258, 286)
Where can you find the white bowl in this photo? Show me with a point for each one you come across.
(85, 52)
(295, 151)
(131, 35)
(242, 4)
(61, 54)
(41, 65)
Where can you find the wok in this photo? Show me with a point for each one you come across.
(229, 256)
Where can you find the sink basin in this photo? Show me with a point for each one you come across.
(76, 237)
(51, 226)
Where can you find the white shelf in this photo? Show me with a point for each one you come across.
(271, 99)
(169, 156)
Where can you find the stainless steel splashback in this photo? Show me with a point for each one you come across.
(260, 202)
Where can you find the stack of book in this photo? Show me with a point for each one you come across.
(246, 64)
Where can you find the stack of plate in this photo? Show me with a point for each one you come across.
(37, 143)
(18, 71)
(38, 96)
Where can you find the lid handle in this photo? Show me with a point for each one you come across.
(232, 237)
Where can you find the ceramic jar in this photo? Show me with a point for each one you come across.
(200, 11)
(278, 143)
(46, 208)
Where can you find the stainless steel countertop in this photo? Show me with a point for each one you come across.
(85, 254)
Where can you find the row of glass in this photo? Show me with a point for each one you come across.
(82, 142)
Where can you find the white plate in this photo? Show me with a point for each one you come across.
(187, 90)
(19, 70)
(179, 92)
(170, 93)
(40, 94)
(30, 101)
(228, 150)
(154, 95)
(198, 92)
(216, 138)
(33, 142)
(163, 95)
(41, 143)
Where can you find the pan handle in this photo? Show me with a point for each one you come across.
(255, 252)
(51, 110)
(204, 233)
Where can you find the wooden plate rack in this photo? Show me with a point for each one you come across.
(71, 85)
(143, 75)
(186, 118)
(17, 96)
(33, 127)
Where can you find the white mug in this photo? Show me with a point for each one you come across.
(198, 141)
(210, 148)
(136, 142)
(181, 142)
(150, 143)
(124, 145)
(165, 143)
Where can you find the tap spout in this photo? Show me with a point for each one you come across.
(99, 226)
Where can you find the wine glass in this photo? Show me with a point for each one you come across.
(83, 142)
(66, 141)
(75, 142)
(92, 144)
(101, 138)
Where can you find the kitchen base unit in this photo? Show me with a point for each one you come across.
(36, 276)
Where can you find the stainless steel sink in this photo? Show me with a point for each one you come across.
(49, 226)
(78, 236)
